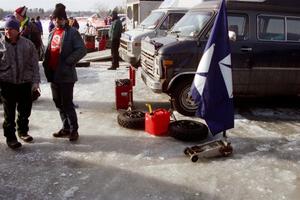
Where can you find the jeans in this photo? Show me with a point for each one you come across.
(115, 53)
(16, 96)
(62, 94)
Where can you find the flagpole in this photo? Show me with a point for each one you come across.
(224, 134)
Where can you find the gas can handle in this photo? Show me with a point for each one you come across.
(149, 108)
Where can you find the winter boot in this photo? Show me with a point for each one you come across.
(73, 136)
(13, 143)
(61, 134)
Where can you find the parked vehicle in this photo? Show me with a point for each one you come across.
(138, 10)
(155, 25)
(265, 56)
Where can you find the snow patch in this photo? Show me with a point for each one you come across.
(70, 193)
(263, 147)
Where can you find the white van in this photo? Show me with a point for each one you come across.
(156, 24)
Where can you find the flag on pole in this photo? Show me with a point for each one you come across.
(212, 85)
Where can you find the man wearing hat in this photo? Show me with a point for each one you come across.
(115, 35)
(65, 48)
(19, 76)
(28, 29)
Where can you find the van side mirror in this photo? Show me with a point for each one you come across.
(232, 36)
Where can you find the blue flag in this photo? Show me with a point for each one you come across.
(212, 85)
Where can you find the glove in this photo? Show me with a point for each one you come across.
(35, 86)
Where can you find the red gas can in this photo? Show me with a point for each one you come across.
(123, 93)
(89, 41)
(157, 122)
(102, 43)
(132, 75)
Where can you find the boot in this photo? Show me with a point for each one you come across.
(25, 137)
(111, 68)
(13, 143)
(73, 136)
(61, 134)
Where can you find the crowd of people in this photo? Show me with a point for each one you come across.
(20, 51)
(20, 77)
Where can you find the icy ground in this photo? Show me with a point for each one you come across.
(113, 163)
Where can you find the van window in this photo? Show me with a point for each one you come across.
(191, 24)
(271, 28)
(293, 29)
(170, 20)
(152, 20)
(238, 24)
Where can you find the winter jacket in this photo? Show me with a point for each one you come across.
(31, 32)
(72, 50)
(115, 30)
(19, 63)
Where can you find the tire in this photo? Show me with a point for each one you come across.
(132, 119)
(188, 130)
(194, 158)
(183, 101)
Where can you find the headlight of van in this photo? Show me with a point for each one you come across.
(156, 68)
(133, 45)
(129, 46)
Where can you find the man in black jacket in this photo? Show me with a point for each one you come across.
(115, 35)
(65, 48)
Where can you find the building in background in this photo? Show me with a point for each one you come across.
(138, 10)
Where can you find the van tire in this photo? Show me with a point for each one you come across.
(188, 130)
(182, 103)
(132, 119)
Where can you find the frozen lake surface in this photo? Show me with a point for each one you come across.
(112, 163)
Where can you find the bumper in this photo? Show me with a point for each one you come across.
(155, 86)
(129, 58)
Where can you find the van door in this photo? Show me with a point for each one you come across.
(241, 52)
(168, 23)
(276, 59)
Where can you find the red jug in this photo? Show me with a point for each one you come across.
(157, 122)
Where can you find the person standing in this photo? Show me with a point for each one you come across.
(73, 23)
(65, 48)
(19, 76)
(115, 35)
(51, 24)
(27, 28)
(39, 24)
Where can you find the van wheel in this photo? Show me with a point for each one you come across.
(132, 119)
(183, 101)
(188, 130)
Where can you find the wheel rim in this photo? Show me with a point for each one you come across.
(187, 124)
(135, 114)
(186, 100)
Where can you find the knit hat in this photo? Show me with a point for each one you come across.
(114, 13)
(21, 11)
(12, 23)
(60, 11)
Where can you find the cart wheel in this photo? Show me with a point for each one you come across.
(186, 151)
(226, 151)
(194, 158)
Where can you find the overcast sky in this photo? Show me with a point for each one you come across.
(71, 5)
